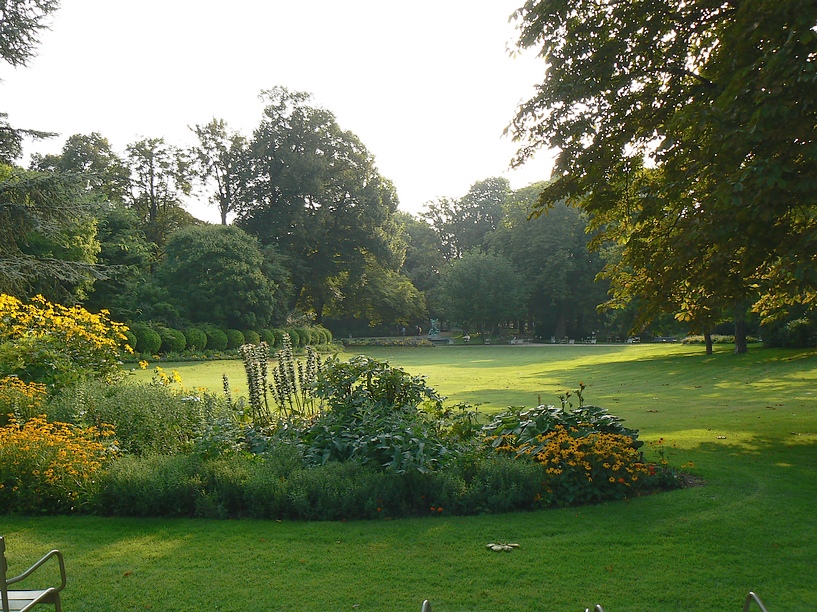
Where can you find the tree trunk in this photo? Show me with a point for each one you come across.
(740, 332)
(708, 339)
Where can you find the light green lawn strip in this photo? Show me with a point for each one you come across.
(749, 424)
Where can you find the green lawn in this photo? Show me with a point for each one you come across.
(749, 424)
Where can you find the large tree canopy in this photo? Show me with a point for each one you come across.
(719, 96)
(216, 273)
(312, 189)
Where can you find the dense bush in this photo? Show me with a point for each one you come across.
(55, 345)
(279, 486)
(279, 337)
(148, 340)
(268, 336)
(145, 417)
(251, 337)
(327, 333)
(235, 338)
(304, 337)
(796, 332)
(196, 339)
(216, 339)
(50, 467)
(173, 341)
(294, 337)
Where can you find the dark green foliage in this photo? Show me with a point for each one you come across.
(294, 337)
(480, 290)
(525, 424)
(146, 417)
(322, 337)
(315, 193)
(235, 338)
(148, 340)
(196, 339)
(173, 341)
(216, 274)
(314, 337)
(216, 338)
(797, 331)
(328, 334)
(268, 336)
(278, 486)
(304, 337)
(153, 485)
(252, 337)
(279, 338)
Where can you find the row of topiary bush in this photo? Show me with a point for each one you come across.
(154, 339)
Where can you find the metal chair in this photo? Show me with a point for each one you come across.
(751, 597)
(22, 600)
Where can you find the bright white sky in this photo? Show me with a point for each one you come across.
(428, 86)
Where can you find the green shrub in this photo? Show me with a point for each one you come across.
(314, 336)
(148, 341)
(327, 333)
(173, 341)
(234, 338)
(251, 337)
(196, 339)
(152, 485)
(269, 336)
(145, 417)
(294, 337)
(304, 337)
(320, 334)
(520, 426)
(279, 337)
(216, 339)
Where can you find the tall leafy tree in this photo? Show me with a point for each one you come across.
(47, 237)
(550, 252)
(480, 290)
(21, 22)
(315, 192)
(104, 173)
(161, 176)
(719, 97)
(462, 224)
(221, 155)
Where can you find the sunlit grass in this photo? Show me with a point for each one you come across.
(748, 424)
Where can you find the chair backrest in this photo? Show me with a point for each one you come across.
(4, 567)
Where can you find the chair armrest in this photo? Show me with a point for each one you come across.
(30, 570)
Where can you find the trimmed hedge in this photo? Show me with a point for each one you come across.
(235, 338)
(173, 341)
(268, 336)
(216, 339)
(196, 339)
(251, 337)
(148, 340)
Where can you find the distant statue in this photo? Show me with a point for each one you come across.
(435, 328)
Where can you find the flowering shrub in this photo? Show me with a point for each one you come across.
(50, 467)
(19, 399)
(56, 345)
(583, 468)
